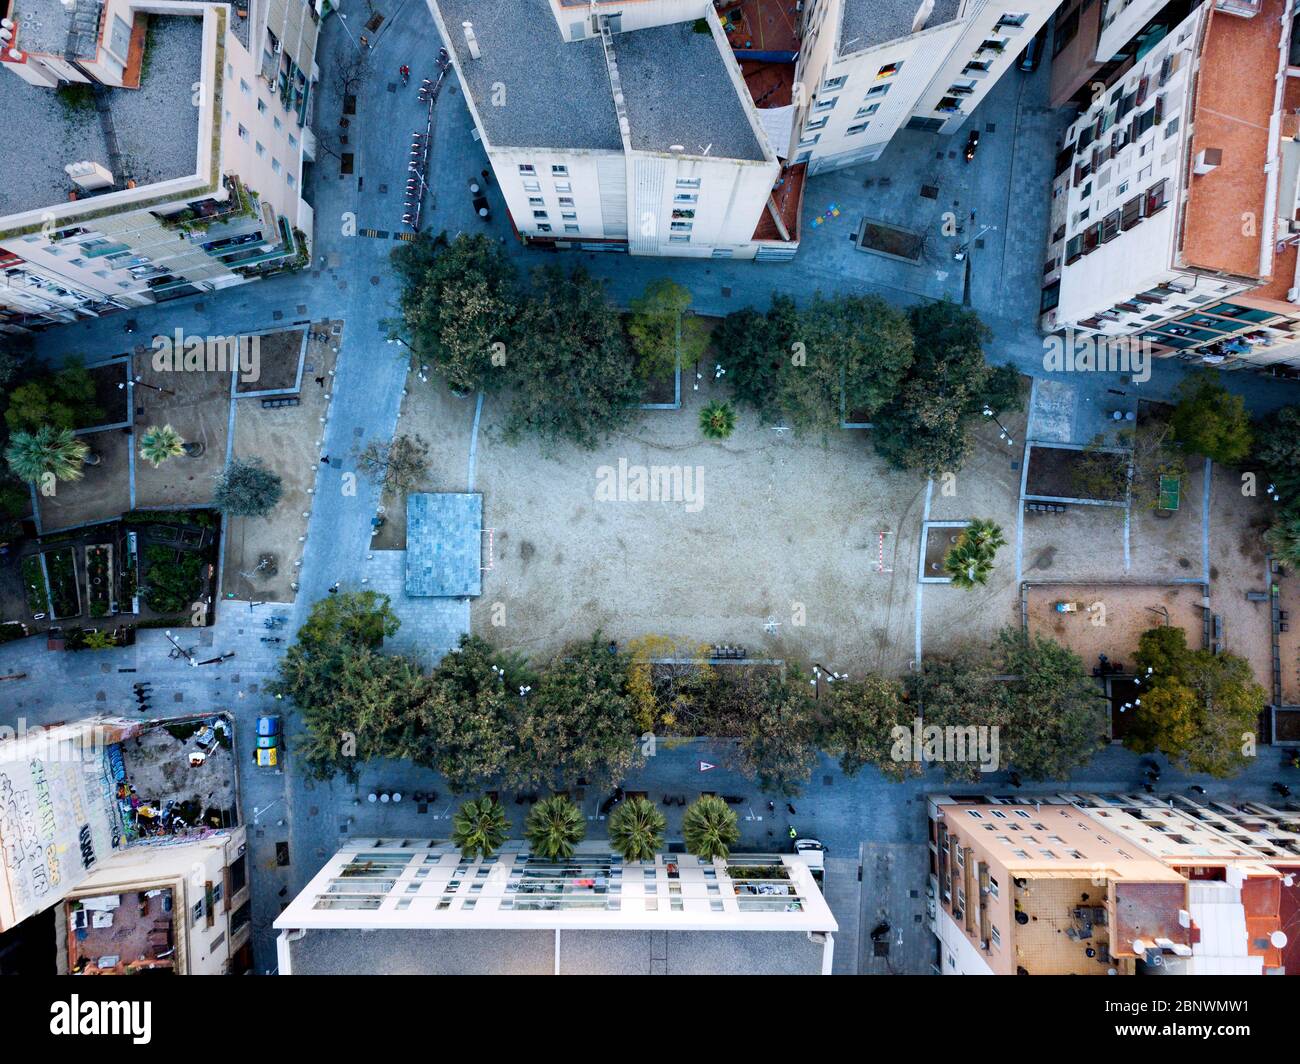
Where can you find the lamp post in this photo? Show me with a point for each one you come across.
(137, 381)
(183, 652)
(1002, 429)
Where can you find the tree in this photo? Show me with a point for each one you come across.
(659, 328)
(1199, 708)
(554, 828)
(64, 399)
(48, 450)
(1211, 421)
(859, 718)
(469, 718)
(636, 829)
(400, 465)
(1103, 473)
(247, 489)
(717, 420)
(478, 828)
(1283, 538)
(777, 746)
(459, 301)
(970, 560)
(573, 376)
(157, 445)
(709, 828)
(753, 348)
(579, 721)
(924, 427)
(1277, 451)
(954, 695)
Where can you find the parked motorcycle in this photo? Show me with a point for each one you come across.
(972, 142)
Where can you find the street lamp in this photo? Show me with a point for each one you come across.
(183, 652)
(132, 383)
(1003, 434)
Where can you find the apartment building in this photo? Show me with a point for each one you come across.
(163, 144)
(619, 125)
(872, 67)
(416, 906)
(1086, 884)
(1174, 203)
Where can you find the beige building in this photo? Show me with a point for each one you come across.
(164, 146)
(1096, 885)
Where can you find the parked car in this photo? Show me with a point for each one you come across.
(1033, 53)
(814, 855)
(269, 748)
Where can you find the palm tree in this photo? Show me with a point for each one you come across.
(636, 829)
(717, 420)
(479, 828)
(554, 827)
(48, 450)
(970, 561)
(159, 444)
(1283, 538)
(709, 827)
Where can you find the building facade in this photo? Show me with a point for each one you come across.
(634, 132)
(1174, 204)
(179, 168)
(870, 68)
(1086, 884)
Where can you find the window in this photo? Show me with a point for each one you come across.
(679, 212)
(275, 166)
(261, 106)
(536, 201)
(1012, 19)
(532, 186)
(976, 67)
(559, 171)
(277, 124)
(826, 105)
(257, 147)
(238, 874)
(570, 228)
(868, 111)
(831, 84)
(686, 197)
(527, 168)
(543, 228)
(198, 909)
(889, 70)
(948, 105)
(816, 123)
(243, 87)
(1155, 199)
(539, 214)
(293, 141)
(563, 186)
(993, 886)
(679, 239)
(681, 227)
(288, 179)
(995, 935)
(569, 216)
(688, 182)
(808, 142)
(877, 90)
(858, 128)
(566, 201)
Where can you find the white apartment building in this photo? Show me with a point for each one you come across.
(1175, 198)
(416, 906)
(617, 125)
(869, 68)
(163, 148)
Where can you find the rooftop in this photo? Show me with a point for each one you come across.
(121, 934)
(868, 23)
(605, 952)
(566, 101)
(1233, 109)
(43, 25)
(157, 125)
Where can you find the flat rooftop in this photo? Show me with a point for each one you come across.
(564, 102)
(678, 90)
(43, 25)
(605, 952)
(157, 124)
(867, 23)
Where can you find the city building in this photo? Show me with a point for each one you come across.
(1112, 884)
(633, 131)
(163, 150)
(872, 67)
(130, 832)
(404, 906)
(1175, 205)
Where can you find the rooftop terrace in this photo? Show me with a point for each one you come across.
(157, 125)
(868, 23)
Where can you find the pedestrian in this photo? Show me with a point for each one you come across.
(365, 41)
(320, 381)
(1015, 779)
(334, 589)
(1196, 788)
(793, 834)
(487, 177)
(324, 459)
(1282, 789)
(1148, 788)
(790, 808)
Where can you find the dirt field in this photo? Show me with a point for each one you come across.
(1127, 612)
(103, 493)
(1237, 566)
(200, 412)
(286, 440)
(782, 530)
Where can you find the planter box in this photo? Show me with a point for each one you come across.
(61, 578)
(38, 592)
(99, 579)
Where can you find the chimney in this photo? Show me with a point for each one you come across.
(1206, 160)
(89, 175)
(471, 42)
(923, 14)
